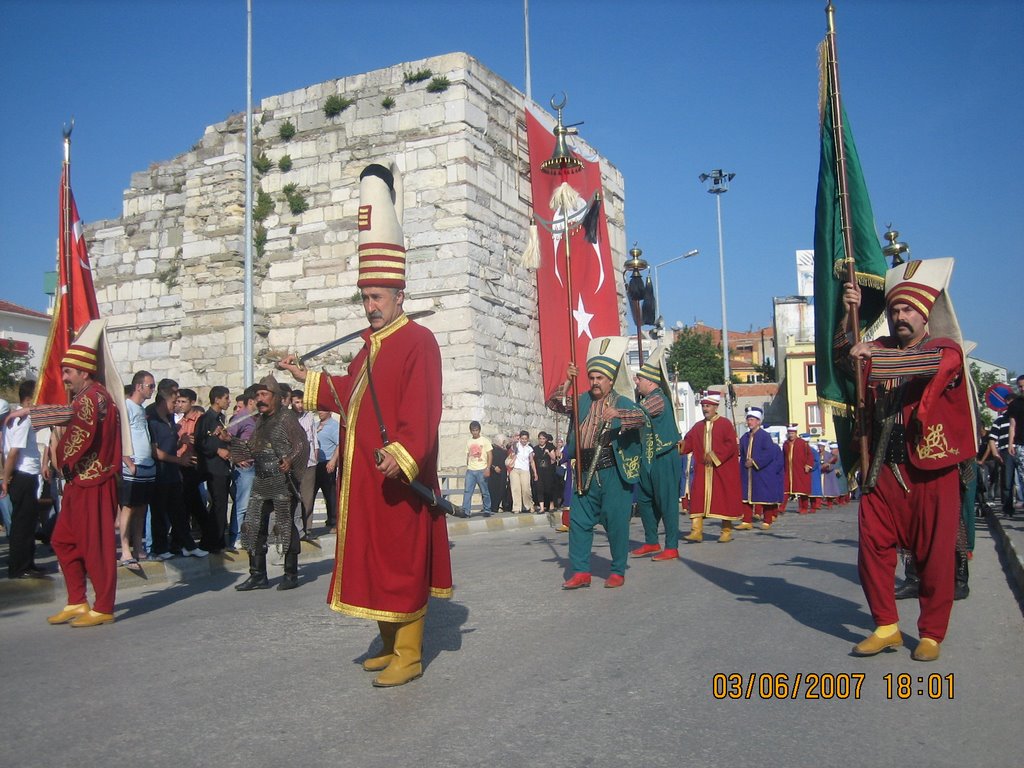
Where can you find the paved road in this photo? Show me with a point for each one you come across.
(520, 673)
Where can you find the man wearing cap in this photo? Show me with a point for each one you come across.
(89, 456)
(658, 489)
(277, 447)
(760, 473)
(716, 478)
(392, 553)
(921, 424)
(610, 456)
(798, 465)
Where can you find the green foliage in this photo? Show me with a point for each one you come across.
(259, 239)
(14, 369)
(262, 163)
(697, 359)
(767, 370)
(285, 163)
(387, 102)
(169, 276)
(336, 104)
(287, 131)
(264, 206)
(418, 76)
(295, 199)
(438, 85)
(982, 381)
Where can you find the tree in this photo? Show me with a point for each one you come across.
(767, 370)
(694, 357)
(982, 381)
(15, 367)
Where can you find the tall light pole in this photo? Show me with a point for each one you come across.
(657, 280)
(720, 185)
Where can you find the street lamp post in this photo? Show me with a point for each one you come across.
(657, 280)
(720, 185)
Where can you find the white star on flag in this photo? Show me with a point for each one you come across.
(582, 318)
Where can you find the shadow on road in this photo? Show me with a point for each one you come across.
(811, 607)
(846, 571)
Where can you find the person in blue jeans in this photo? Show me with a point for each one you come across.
(478, 463)
(241, 426)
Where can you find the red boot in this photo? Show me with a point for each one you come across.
(577, 581)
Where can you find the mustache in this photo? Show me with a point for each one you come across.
(902, 324)
(375, 315)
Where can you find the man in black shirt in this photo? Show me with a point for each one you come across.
(214, 457)
(1015, 468)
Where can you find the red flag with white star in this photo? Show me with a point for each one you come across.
(76, 296)
(594, 303)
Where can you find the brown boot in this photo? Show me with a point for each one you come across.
(381, 660)
(697, 530)
(726, 536)
(405, 665)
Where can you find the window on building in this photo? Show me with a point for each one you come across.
(814, 415)
(809, 373)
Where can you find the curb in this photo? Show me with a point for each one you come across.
(1014, 559)
(179, 570)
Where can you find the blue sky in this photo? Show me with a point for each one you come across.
(666, 91)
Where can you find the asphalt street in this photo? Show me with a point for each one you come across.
(683, 666)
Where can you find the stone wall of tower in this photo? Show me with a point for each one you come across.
(169, 272)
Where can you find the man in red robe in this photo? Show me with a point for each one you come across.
(797, 468)
(89, 456)
(716, 477)
(922, 425)
(392, 552)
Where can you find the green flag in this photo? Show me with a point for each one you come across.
(836, 388)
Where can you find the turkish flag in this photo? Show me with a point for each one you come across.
(76, 296)
(594, 302)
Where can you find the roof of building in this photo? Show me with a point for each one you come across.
(17, 309)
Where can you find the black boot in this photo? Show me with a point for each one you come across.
(257, 574)
(960, 589)
(290, 580)
(912, 585)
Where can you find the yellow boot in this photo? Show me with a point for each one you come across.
(387, 636)
(70, 612)
(696, 531)
(726, 536)
(405, 665)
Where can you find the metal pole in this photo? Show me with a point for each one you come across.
(526, 25)
(247, 342)
(725, 322)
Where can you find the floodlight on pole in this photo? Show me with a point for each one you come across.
(720, 185)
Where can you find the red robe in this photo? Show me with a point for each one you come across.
(716, 486)
(89, 455)
(798, 456)
(392, 552)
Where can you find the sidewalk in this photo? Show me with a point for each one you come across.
(158, 573)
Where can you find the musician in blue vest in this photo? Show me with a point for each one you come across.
(609, 434)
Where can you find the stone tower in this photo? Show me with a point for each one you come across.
(169, 272)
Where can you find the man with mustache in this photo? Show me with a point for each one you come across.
(276, 448)
(921, 425)
(392, 552)
(610, 455)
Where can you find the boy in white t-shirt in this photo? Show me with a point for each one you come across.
(478, 469)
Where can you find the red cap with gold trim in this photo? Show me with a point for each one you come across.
(83, 354)
(924, 285)
(381, 242)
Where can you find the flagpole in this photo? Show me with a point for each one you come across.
(66, 301)
(563, 162)
(846, 226)
(247, 319)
